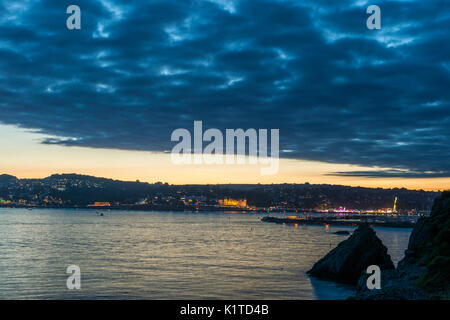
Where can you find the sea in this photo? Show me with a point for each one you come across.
(167, 255)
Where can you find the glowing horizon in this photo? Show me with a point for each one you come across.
(24, 156)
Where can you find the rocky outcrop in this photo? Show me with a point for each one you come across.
(395, 285)
(352, 256)
(424, 272)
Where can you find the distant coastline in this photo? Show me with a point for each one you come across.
(332, 215)
(87, 192)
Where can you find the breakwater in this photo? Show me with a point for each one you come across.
(374, 221)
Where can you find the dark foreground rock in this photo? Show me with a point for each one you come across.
(394, 286)
(424, 272)
(346, 262)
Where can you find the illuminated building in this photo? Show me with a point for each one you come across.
(394, 210)
(100, 204)
(233, 203)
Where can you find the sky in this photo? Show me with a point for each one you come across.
(354, 106)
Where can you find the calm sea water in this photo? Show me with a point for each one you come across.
(165, 255)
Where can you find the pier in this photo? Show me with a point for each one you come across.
(351, 220)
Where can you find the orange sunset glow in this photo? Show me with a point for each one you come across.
(26, 157)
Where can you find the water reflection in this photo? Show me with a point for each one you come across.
(162, 255)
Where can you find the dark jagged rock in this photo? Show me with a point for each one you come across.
(424, 272)
(429, 247)
(393, 288)
(398, 284)
(352, 256)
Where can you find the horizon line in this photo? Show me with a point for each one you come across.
(206, 184)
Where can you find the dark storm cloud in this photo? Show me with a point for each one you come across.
(138, 70)
(390, 174)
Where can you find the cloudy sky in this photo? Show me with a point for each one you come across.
(358, 106)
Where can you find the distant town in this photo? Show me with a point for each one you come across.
(80, 191)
